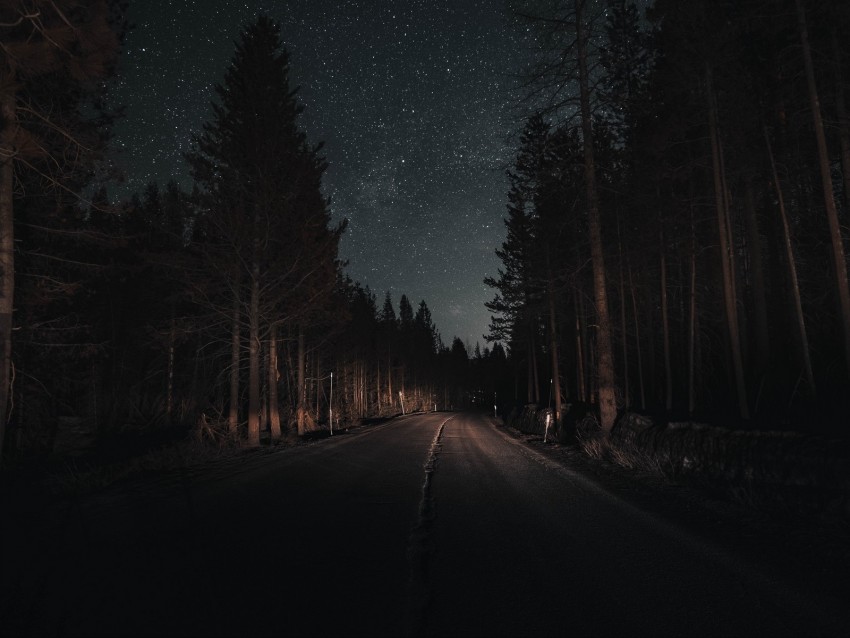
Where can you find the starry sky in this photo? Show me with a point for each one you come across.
(414, 100)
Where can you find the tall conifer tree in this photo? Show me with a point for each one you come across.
(267, 218)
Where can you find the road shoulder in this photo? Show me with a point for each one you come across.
(787, 548)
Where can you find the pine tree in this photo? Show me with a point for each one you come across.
(405, 313)
(268, 235)
(521, 283)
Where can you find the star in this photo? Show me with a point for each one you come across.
(413, 104)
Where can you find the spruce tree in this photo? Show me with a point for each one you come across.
(266, 221)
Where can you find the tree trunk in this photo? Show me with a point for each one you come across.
(355, 388)
(843, 121)
(534, 369)
(7, 255)
(169, 390)
(290, 375)
(263, 369)
(692, 313)
(826, 183)
(757, 279)
(301, 410)
(637, 339)
(626, 389)
(274, 376)
(390, 399)
(730, 302)
(665, 330)
(580, 368)
(235, 339)
(792, 271)
(254, 359)
(605, 358)
(376, 406)
(530, 366)
(553, 340)
(317, 375)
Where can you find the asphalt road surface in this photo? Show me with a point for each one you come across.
(433, 524)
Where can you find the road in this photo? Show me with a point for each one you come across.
(434, 524)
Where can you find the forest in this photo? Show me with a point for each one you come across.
(224, 313)
(677, 214)
(675, 231)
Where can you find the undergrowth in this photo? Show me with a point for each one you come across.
(781, 472)
(77, 477)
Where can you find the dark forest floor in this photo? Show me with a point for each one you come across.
(783, 545)
(785, 542)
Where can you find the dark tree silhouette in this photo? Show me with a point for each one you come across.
(54, 56)
(266, 220)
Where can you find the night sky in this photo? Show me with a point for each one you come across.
(413, 99)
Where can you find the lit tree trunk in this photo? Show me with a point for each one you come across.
(390, 379)
(626, 389)
(826, 183)
(792, 271)
(263, 369)
(730, 302)
(290, 373)
(650, 332)
(637, 339)
(7, 254)
(254, 358)
(356, 393)
(301, 409)
(235, 338)
(605, 359)
(376, 406)
(317, 375)
(665, 329)
(274, 407)
(378, 384)
(553, 340)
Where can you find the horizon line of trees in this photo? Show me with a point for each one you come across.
(677, 213)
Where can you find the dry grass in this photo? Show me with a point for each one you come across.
(766, 469)
(777, 471)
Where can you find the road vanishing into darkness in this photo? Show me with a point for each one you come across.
(430, 524)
